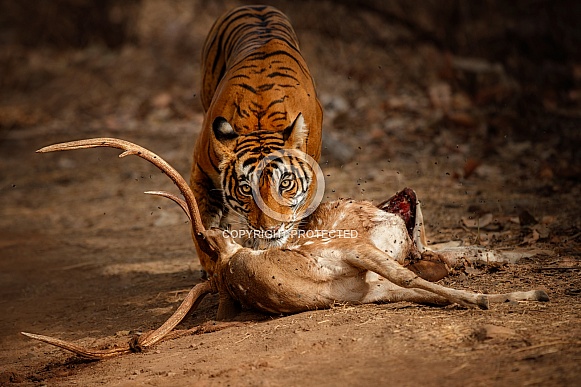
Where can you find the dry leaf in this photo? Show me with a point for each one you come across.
(470, 166)
(542, 230)
(480, 222)
(548, 219)
(462, 119)
(533, 238)
(472, 271)
(162, 100)
(525, 218)
(441, 96)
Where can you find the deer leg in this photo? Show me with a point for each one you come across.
(370, 258)
(373, 259)
(387, 292)
(531, 295)
(228, 308)
(458, 257)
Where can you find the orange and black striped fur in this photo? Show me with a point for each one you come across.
(258, 97)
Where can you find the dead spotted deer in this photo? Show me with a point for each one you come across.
(316, 270)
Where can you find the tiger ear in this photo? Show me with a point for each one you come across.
(223, 131)
(297, 133)
(225, 135)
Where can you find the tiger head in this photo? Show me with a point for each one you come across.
(267, 180)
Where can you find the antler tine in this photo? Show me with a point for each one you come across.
(193, 298)
(173, 197)
(130, 148)
(92, 354)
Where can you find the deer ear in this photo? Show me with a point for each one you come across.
(296, 134)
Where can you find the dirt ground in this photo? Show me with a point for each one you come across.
(85, 256)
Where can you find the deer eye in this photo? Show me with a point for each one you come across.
(244, 189)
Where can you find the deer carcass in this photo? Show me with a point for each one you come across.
(310, 272)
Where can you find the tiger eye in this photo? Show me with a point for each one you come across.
(244, 189)
(287, 183)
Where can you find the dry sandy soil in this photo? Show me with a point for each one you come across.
(85, 256)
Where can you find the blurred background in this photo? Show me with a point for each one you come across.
(383, 69)
(474, 104)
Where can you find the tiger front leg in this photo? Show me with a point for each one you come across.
(211, 207)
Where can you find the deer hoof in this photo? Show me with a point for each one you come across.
(482, 301)
(541, 295)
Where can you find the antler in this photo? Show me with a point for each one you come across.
(130, 148)
(189, 206)
(146, 340)
(173, 197)
(191, 302)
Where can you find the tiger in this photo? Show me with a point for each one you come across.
(258, 98)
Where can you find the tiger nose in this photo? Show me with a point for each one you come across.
(272, 228)
(267, 223)
(272, 232)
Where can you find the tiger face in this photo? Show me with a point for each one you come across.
(266, 181)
